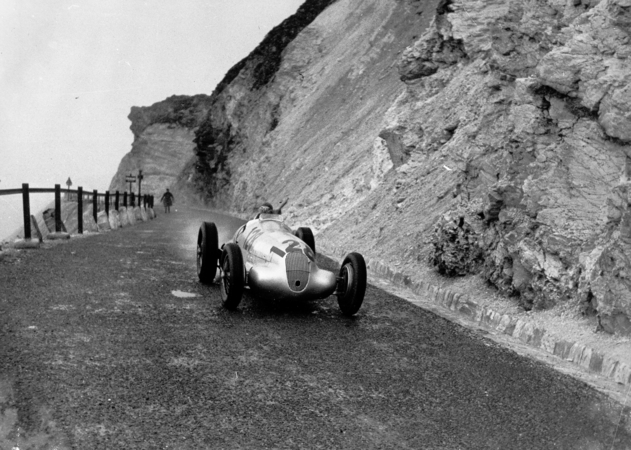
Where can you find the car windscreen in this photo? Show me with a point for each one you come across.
(272, 222)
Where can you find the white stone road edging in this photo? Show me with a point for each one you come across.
(525, 331)
(117, 219)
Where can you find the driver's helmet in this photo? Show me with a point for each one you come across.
(266, 208)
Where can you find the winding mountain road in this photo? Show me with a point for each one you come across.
(110, 342)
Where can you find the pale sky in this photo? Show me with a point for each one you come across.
(70, 71)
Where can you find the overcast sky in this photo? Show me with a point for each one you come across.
(71, 70)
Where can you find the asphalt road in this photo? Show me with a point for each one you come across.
(101, 348)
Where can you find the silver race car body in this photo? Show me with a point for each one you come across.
(278, 264)
(272, 261)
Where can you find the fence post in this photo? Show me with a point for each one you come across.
(132, 199)
(125, 199)
(95, 207)
(57, 208)
(26, 208)
(116, 200)
(107, 203)
(80, 210)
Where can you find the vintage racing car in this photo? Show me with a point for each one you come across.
(272, 261)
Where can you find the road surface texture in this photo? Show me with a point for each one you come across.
(110, 342)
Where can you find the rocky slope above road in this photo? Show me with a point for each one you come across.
(478, 138)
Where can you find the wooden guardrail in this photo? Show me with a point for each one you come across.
(95, 196)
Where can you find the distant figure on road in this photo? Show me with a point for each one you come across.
(167, 201)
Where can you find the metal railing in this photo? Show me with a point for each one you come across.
(105, 199)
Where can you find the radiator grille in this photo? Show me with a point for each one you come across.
(297, 266)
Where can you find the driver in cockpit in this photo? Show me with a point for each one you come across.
(267, 208)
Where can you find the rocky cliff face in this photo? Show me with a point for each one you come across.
(469, 137)
(163, 145)
(533, 105)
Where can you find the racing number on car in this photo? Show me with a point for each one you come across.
(278, 251)
(292, 246)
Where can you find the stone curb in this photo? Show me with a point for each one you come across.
(25, 244)
(22, 244)
(525, 331)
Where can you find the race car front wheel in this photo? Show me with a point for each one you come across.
(306, 235)
(231, 276)
(351, 285)
(207, 252)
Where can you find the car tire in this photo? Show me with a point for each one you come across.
(232, 278)
(306, 235)
(351, 286)
(207, 252)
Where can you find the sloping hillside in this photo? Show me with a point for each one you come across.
(466, 137)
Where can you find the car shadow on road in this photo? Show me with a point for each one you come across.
(286, 309)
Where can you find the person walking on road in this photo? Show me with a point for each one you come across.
(167, 201)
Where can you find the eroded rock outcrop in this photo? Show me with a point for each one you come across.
(163, 145)
(549, 152)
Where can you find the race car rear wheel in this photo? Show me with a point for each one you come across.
(306, 235)
(207, 252)
(231, 276)
(351, 285)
